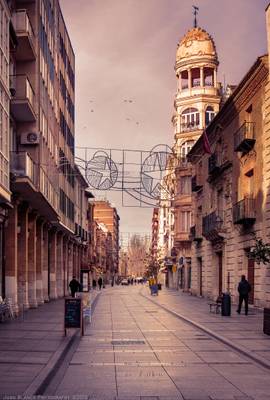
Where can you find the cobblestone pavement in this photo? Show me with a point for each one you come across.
(134, 349)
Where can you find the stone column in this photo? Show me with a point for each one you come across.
(65, 266)
(23, 257)
(40, 260)
(180, 82)
(11, 256)
(201, 77)
(32, 260)
(74, 263)
(45, 263)
(53, 264)
(189, 79)
(70, 261)
(60, 266)
(215, 78)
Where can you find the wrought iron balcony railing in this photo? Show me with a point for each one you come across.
(244, 211)
(244, 138)
(213, 225)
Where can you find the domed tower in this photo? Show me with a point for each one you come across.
(197, 99)
(196, 102)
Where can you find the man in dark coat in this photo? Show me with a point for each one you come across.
(243, 288)
(100, 281)
(74, 286)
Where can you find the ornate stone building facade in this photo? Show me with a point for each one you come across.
(231, 201)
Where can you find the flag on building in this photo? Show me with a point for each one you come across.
(206, 144)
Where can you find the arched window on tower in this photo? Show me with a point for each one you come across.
(190, 119)
(209, 115)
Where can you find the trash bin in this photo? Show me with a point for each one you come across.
(159, 286)
(226, 305)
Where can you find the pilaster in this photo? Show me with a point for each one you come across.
(45, 263)
(32, 260)
(11, 256)
(53, 264)
(23, 256)
(40, 261)
(60, 266)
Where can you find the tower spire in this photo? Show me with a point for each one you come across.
(195, 12)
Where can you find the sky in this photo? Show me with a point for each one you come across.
(125, 50)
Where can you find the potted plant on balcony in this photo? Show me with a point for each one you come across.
(260, 252)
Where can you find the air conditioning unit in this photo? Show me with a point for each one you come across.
(30, 138)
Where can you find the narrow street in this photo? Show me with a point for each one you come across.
(134, 349)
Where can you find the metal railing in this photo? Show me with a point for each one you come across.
(191, 126)
(23, 88)
(212, 222)
(22, 165)
(22, 23)
(244, 211)
(244, 137)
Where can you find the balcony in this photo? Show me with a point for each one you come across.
(244, 138)
(25, 36)
(188, 127)
(213, 226)
(216, 166)
(244, 211)
(23, 168)
(180, 237)
(196, 183)
(23, 102)
(196, 233)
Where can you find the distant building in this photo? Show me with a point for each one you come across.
(106, 214)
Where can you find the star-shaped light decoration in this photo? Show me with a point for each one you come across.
(153, 170)
(102, 172)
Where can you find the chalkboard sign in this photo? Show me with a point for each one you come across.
(73, 313)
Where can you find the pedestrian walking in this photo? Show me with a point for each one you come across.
(74, 286)
(243, 289)
(100, 281)
(94, 284)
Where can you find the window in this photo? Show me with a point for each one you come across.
(185, 148)
(185, 221)
(190, 119)
(185, 185)
(209, 115)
